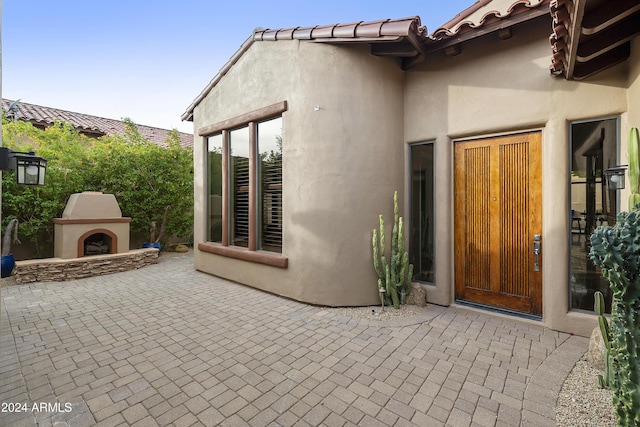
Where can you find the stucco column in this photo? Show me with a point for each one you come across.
(555, 223)
(442, 292)
(556, 171)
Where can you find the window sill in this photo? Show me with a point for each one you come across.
(243, 254)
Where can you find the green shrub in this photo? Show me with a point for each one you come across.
(144, 177)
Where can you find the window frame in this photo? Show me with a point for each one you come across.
(412, 220)
(573, 285)
(250, 253)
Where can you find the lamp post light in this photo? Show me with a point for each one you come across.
(30, 168)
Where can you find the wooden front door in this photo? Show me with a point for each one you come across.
(498, 213)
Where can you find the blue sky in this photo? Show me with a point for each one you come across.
(148, 60)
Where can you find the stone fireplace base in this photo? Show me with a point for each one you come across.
(58, 269)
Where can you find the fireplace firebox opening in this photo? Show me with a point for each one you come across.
(97, 242)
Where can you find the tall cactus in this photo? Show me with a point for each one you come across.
(616, 250)
(393, 276)
(634, 168)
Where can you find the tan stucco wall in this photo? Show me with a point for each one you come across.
(502, 86)
(341, 164)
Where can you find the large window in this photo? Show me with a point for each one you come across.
(594, 148)
(421, 250)
(244, 168)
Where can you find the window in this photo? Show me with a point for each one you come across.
(421, 250)
(594, 148)
(245, 186)
(214, 167)
(270, 185)
(239, 153)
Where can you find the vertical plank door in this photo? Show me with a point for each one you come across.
(498, 213)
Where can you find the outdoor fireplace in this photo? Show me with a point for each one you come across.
(91, 224)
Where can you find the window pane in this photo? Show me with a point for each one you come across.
(239, 183)
(421, 253)
(270, 185)
(594, 147)
(214, 171)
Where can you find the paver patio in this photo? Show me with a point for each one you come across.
(166, 345)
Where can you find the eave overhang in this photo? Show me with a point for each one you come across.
(591, 35)
(482, 18)
(403, 38)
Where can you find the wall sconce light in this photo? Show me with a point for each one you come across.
(615, 177)
(30, 169)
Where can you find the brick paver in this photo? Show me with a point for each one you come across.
(166, 345)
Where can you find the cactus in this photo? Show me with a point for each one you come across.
(604, 380)
(616, 250)
(393, 276)
(634, 168)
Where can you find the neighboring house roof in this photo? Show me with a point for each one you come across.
(591, 35)
(84, 123)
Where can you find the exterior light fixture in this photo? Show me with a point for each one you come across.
(30, 169)
(615, 177)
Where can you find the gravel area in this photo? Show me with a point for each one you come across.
(582, 402)
(376, 312)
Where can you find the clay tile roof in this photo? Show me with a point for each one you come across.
(591, 35)
(485, 16)
(486, 12)
(354, 31)
(85, 123)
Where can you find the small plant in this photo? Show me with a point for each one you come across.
(12, 227)
(394, 277)
(604, 381)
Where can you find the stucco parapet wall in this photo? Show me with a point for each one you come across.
(58, 269)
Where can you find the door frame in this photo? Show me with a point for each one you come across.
(536, 305)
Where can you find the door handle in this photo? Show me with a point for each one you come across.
(536, 251)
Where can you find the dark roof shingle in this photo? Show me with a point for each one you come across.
(85, 123)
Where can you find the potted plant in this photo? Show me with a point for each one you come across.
(153, 241)
(7, 260)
